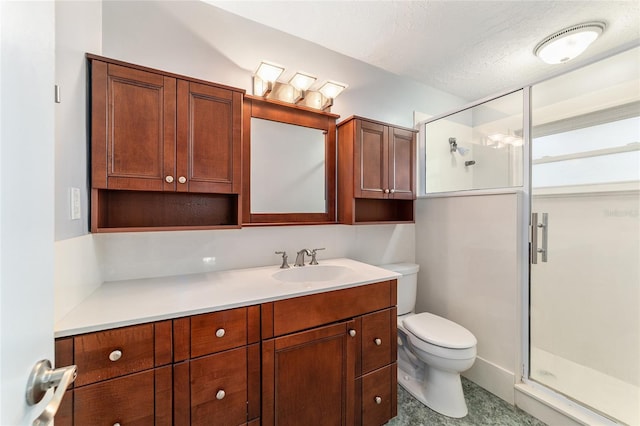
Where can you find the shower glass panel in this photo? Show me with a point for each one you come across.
(585, 298)
(476, 148)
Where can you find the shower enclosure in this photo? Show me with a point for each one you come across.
(572, 145)
(585, 273)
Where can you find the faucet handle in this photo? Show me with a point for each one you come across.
(284, 265)
(314, 261)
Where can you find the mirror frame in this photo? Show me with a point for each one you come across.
(256, 107)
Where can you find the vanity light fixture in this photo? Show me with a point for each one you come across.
(265, 76)
(301, 82)
(296, 91)
(568, 43)
(331, 89)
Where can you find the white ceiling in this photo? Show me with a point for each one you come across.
(471, 49)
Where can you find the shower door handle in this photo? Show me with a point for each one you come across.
(544, 226)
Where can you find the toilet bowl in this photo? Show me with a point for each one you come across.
(432, 351)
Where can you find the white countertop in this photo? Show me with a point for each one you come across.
(128, 302)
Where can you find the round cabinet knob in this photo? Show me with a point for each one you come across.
(378, 400)
(116, 424)
(182, 179)
(220, 332)
(386, 191)
(393, 190)
(352, 333)
(169, 179)
(378, 342)
(115, 355)
(220, 394)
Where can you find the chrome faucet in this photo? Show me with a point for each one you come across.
(312, 253)
(300, 257)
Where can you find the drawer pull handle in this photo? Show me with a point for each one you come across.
(378, 342)
(220, 394)
(378, 400)
(220, 332)
(115, 355)
(352, 333)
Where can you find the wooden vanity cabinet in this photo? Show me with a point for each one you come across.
(321, 362)
(198, 370)
(376, 172)
(124, 376)
(165, 149)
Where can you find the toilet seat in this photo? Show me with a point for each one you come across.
(434, 330)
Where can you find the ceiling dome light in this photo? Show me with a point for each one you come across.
(568, 43)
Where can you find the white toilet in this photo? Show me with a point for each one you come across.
(432, 351)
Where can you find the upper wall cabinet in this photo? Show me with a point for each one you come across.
(376, 172)
(166, 150)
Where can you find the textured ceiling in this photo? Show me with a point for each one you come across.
(471, 49)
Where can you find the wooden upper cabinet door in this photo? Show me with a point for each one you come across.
(209, 138)
(133, 128)
(401, 164)
(372, 161)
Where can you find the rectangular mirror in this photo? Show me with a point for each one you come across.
(288, 164)
(287, 168)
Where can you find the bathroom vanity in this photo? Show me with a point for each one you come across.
(253, 346)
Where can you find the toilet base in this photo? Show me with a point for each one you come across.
(442, 392)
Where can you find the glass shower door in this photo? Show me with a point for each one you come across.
(585, 235)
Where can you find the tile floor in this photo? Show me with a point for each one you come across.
(484, 409)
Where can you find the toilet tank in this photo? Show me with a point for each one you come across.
(407, 285)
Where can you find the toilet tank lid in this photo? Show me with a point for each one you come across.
(401, 268)
(439, 331)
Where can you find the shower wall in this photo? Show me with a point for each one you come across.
(489, 147)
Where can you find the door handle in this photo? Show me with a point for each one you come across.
(544, 226)
(43, 378)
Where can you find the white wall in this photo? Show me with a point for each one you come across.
(468, 248)
(78, 30)
(199, 40)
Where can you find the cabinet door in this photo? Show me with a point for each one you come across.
(209, 138)
(133, 128)
(401, 164)
(308, 377)
(371, 166)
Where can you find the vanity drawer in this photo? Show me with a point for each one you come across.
(218, 386)
(379, 398)
(378, 339)
(140, 399)
(107, 354)
(218, 331)
(300, 313)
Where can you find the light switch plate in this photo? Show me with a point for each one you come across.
(75, 204)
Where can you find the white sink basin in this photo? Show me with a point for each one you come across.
(311, 273)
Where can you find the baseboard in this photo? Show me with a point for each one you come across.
(493, 378)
